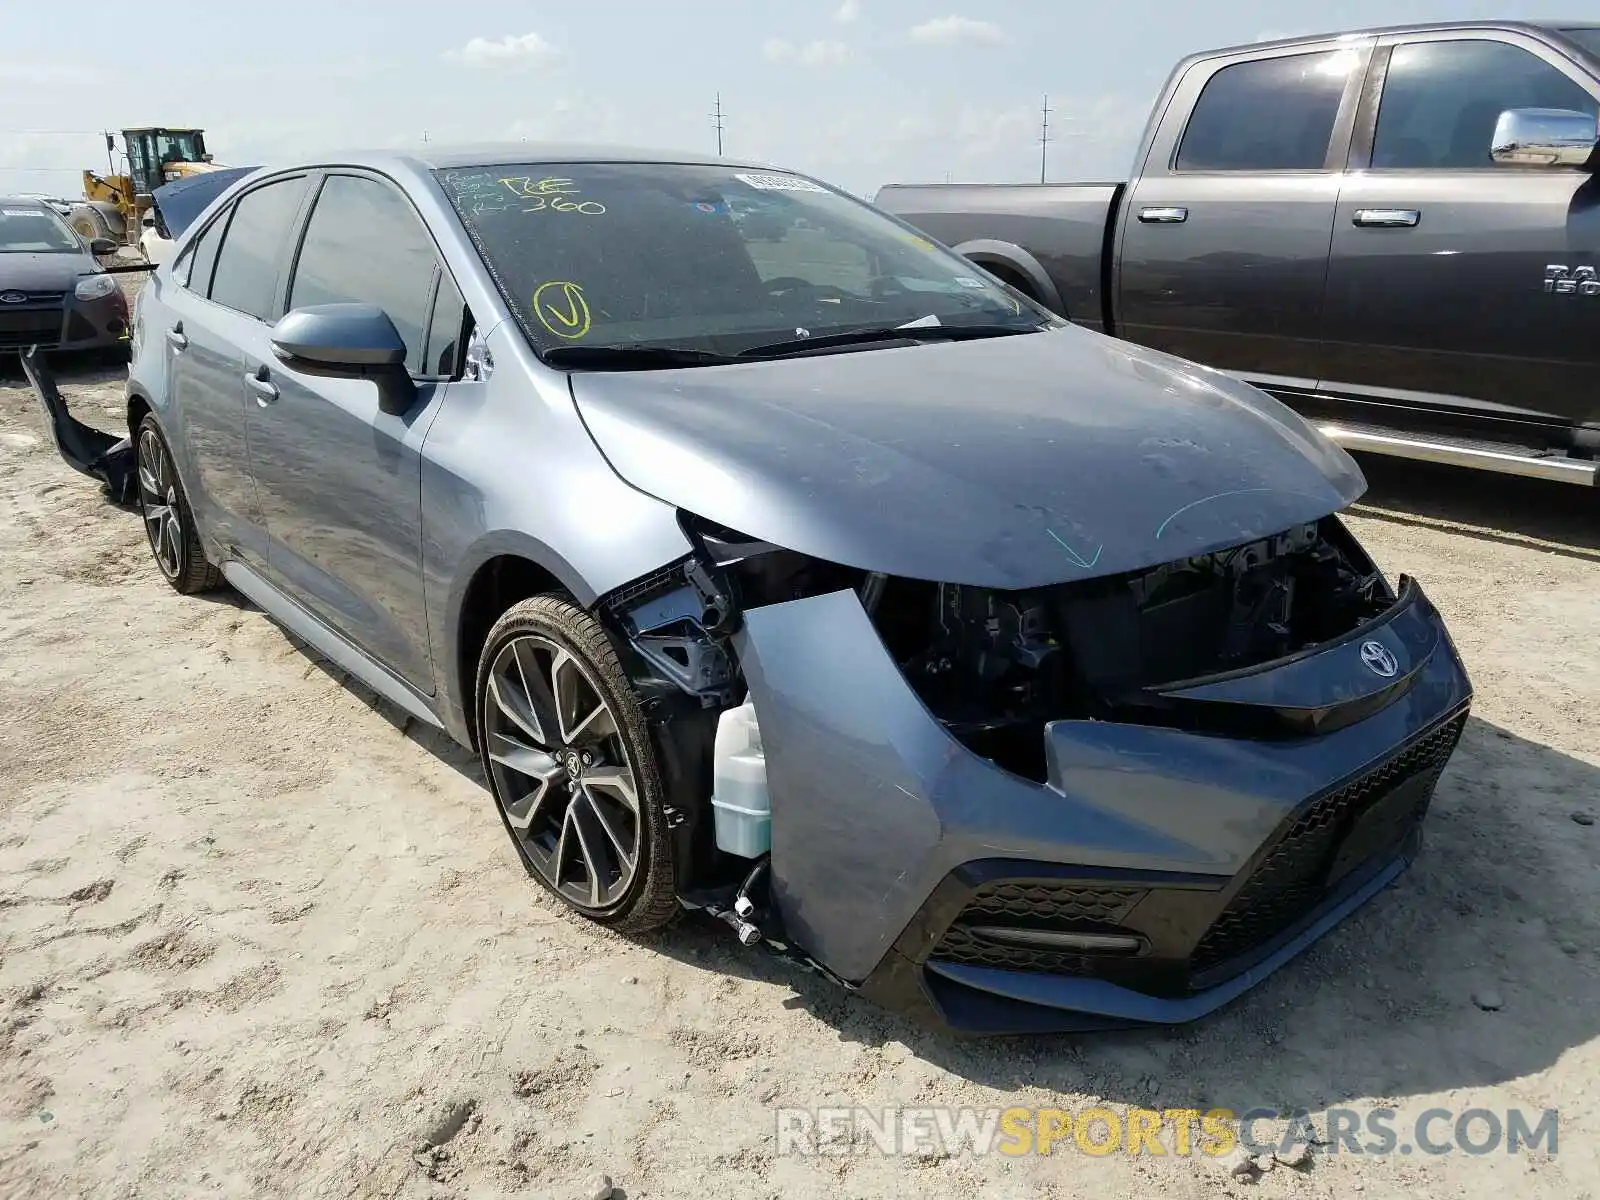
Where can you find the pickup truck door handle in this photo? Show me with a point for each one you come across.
(1163, 216)
(265, 390)
(1387, 218)
(176, 338)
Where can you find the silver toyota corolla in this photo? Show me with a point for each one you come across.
(781, 564)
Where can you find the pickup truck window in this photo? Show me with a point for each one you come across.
(1587, 36)
(1441, 101)
(1273, 114)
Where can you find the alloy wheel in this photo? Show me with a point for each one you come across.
(158, 499)
(561, 772)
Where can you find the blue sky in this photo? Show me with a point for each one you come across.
(860, 92)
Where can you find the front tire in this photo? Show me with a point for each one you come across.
(569, 760)
(168, 520)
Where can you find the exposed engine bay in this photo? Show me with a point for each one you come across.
(995, 666)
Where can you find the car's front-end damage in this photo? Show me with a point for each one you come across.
(1033, 794)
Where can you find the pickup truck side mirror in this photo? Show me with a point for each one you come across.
(356, 341)
(1544, 137)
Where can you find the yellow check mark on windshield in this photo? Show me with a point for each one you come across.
(561, 308)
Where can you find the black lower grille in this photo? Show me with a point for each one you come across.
(1325, 840)
(37, 323)
(1035, 904)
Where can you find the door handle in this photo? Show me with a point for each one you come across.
(1387, 218)
(1164, 216)
(176, 337)
(265, 390)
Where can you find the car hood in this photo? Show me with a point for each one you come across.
(1010, 462)
(43, 272)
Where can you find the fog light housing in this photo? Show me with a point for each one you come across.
(1059, 939)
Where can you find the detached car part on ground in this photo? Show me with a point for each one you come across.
(776, 566)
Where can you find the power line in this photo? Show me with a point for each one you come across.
(716, 116)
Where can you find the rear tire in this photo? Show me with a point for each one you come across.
(570, 762)
(168, 521)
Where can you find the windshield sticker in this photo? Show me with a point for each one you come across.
(553, 195)
(780, 183)
(711, 208)
(967, 281)
(561, 308)
(20, 212)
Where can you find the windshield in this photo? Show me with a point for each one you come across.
(35, 231)
(710, 258)
(1587, 36)
(180, 147)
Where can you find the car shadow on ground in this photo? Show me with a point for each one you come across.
(1498, 909)
(1500, 508)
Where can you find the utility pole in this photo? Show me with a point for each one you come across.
(1044, 137)
(716, 117)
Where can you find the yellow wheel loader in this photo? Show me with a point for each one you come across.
(113, 205)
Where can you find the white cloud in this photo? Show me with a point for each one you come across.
(486, 52)
(848, 11)
(958, 31)
(807, 54)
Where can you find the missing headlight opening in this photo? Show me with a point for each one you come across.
(995, 666)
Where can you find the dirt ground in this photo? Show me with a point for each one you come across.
(260, 938)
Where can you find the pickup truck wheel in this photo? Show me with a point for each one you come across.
(1012, 279)
(568, 756)
(168, 521)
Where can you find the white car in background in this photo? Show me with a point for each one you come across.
(156, 249)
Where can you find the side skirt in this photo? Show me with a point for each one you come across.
(326, 642)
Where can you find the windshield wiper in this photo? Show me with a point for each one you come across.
(886, 333)
(633, 358)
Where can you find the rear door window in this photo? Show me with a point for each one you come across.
(1273, 114)
(256, 246)
(366, 244)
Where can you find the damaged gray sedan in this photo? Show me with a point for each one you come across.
(779, 563)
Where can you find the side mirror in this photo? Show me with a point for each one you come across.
(357, 341)
(103, 246)
(1544, 137)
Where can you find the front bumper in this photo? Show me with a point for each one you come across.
(60, 321)
(896, 851)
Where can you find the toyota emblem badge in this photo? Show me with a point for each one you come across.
(1379, 659)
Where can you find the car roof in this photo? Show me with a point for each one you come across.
(25, 202)
(433, 156)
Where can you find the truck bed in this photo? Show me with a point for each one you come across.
(1066, 228)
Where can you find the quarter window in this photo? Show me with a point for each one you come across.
(365, 244)
(255, 246)
(443, 356)
(201, 259)
(1273, 114)
(1441, 101)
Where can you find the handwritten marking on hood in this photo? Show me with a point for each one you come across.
(1078, 560)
